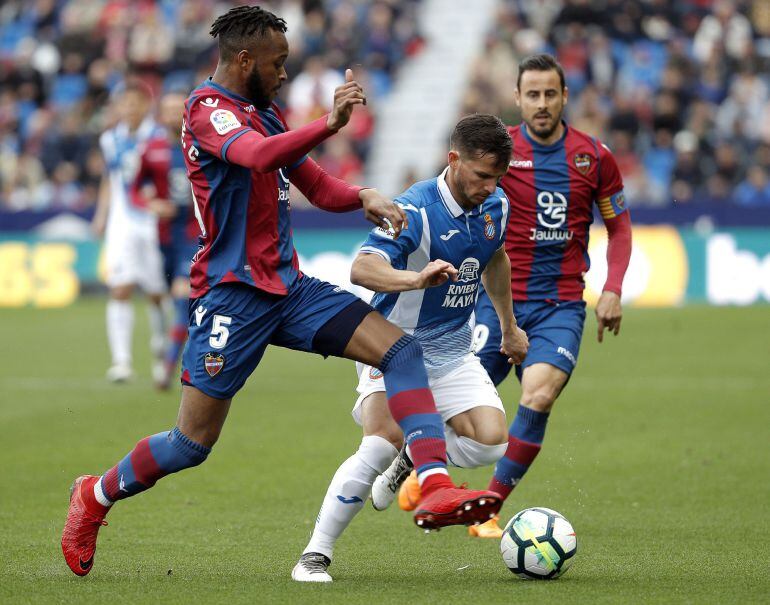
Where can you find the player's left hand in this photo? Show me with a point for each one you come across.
(383, 212)
(515, 345)
(609, 312)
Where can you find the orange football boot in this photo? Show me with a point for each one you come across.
(490, 529)
(409, 494)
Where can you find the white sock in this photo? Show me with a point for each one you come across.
(464, 452)
(158, 328)
(99, 494)
(348, 491)
(120, 327)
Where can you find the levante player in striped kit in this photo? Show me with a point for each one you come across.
(248, 292)
(555, 176)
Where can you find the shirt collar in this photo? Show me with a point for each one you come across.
(446, 195)
(226, 91)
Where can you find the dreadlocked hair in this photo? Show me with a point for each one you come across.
(240, 23)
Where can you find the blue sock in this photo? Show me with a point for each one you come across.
(153, 458)
(525, 438)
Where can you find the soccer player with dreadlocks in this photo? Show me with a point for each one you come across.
(247, 290)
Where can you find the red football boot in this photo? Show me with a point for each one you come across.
(449, 505)
(84, 518)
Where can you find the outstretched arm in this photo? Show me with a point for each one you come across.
(497, 282)
(373, 272)
(335, 195)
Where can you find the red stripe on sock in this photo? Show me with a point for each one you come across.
(522, 452)
(110, 484)
(146, 469)
(500, 488)
(413, 401)
(428, 450)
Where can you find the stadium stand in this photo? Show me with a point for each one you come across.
(680, 91)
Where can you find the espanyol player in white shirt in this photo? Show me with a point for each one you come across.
(132, 250)
(426, 282)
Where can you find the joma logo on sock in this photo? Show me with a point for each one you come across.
(413, 435)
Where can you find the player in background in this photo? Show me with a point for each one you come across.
(247, 290)
(556, 175)
(130, 234)
(426, 282)
(163, 186)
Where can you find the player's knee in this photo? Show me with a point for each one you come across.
(469, 453)
(377, 452)
(492, 434)
(121, 292)
(540, 400)
(174, 451)
(404, 352)
(393, 435)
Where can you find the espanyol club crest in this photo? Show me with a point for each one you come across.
(582, 162)
(374, 374)
(213, 362)
(489, 227)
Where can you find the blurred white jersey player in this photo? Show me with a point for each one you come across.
(132, 250)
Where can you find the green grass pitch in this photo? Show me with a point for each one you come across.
(658, 453)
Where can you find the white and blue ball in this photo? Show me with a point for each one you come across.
(538, 544)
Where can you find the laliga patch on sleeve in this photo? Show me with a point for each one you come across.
(224, 121)
(618, 202)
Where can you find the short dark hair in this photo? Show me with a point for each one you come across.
(480, 134)
(239, 23)
(541, 62)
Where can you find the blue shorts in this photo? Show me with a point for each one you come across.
(554, 331)
(177, 258)
(231, 325)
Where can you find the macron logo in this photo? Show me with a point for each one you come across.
(521, 164)
(447, 236)
(199, 313)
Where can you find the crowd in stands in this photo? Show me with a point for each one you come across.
(60, 61)
(680, 91)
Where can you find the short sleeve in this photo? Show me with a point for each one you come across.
(609, 196)
(215, 122)
(396, 250)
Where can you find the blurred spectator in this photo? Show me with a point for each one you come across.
(61, 59)
(679, 90)
(754, 190)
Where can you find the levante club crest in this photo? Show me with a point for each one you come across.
(489, 227)
(213, 362)
(583, 162)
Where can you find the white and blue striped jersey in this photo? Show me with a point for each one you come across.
(441, 318)
(122, 151)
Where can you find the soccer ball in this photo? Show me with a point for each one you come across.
(538, 544)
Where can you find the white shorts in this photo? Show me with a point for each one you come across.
(464, 388)
(133, 257)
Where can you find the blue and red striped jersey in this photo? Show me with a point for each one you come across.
(552, 190)
(243, 214)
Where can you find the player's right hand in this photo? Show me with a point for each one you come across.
(98, 225)
(515, 345)
(346, 97)
(435, 273)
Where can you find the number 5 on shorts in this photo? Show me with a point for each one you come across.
(219, 331)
